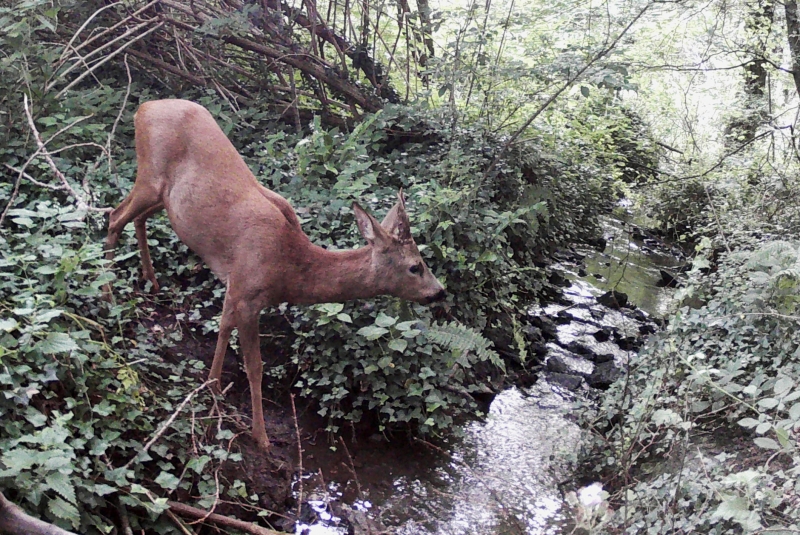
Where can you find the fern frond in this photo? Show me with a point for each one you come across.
(455, 336)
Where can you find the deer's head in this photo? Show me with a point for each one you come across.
(398, 265)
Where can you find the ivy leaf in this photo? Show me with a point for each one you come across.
(372, 332)
(8, 324)
(794, 412)
(167, 481)
(57, 343)
(384, 321)
(732, 507)
(398, 344)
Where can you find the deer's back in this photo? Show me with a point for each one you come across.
(214, 203)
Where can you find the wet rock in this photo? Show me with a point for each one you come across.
(604, 374)
(556, 364)
(598, 243)
(603, 357)
(580, 349)
(536, 343)
(613, 299)
(547, 326)
(570, 382)
(638, 234)
(604, 333)
(637, 314)
(582, 272)
(597, 313)
(647, 328)
(361, 523)
(557, 279)
(563, 317)
(630, 343)
(668, 280)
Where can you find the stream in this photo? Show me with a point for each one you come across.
(503, 475)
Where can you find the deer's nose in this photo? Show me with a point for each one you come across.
(438, 296)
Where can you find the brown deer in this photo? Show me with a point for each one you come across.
(250, 236)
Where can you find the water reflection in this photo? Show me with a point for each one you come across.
(501, 479)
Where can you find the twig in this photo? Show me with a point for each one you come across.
(108, 57)
(119, 115)
(299, 456)
(194, 512)
(168, 423)
(352, 468)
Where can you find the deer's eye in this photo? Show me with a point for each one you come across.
(416, 269)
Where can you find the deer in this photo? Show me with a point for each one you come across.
(251, 238)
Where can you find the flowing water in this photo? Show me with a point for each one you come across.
(502, 477)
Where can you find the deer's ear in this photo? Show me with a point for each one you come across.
(396, 221)
(367, 225)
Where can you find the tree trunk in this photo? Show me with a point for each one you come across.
(793, 33)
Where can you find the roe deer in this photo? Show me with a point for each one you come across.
(250, 236)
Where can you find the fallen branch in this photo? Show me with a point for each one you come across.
(15, 521)
(194, 512)
(168, 423)
(43, 151)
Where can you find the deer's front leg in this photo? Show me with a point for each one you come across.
(251, 351)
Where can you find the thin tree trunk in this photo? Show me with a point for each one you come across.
(793, 33)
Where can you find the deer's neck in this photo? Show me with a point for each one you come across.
(336, 276)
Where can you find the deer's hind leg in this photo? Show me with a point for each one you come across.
(141, 202)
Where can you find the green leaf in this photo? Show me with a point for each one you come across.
(61, 484)
(167, 481)
(344, 317)
(65, 511)
(8, 324)
(768, 403)
(331, 309)
(384, 321)
(767, 443)
(782, 385)
(57, 343)
(749, 423)
(398, 344)
(794, 412)
(371, 332)
(487, 256)
(732, 507)
(102, 489)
